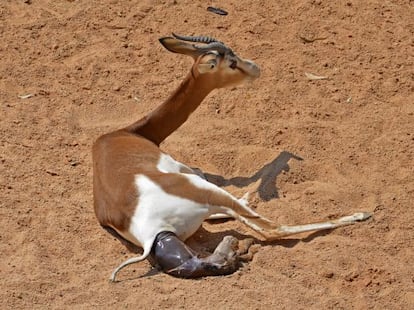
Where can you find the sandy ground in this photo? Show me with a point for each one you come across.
(307, 150)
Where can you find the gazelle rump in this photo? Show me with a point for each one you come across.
(147, 199)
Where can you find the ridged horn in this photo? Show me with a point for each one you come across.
(216, 46)
(198, 39)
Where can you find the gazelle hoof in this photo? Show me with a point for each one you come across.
(362, 216)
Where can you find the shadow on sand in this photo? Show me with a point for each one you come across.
(267, 175)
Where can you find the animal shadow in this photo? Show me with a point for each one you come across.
(267, 189)
(207, 239)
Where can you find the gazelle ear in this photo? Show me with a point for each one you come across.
(177, 46)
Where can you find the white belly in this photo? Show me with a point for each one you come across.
(159, 211)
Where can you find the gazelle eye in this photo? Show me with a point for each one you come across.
(233, 64)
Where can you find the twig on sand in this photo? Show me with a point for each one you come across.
(314, 77)
(26, 96)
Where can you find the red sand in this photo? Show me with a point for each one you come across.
(94, 66)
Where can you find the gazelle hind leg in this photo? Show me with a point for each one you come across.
(342, 221)
(287, 230)
(225, 203)
(222, 202)
(222, 216)
(238, 209)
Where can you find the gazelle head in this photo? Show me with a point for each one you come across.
(213, 60)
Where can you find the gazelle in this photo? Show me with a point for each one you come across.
(147, 199)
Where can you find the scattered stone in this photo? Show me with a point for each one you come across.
(52, 173)
(328, 274)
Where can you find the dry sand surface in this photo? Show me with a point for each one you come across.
(307, 150)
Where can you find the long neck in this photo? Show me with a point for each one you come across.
(165, 119)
